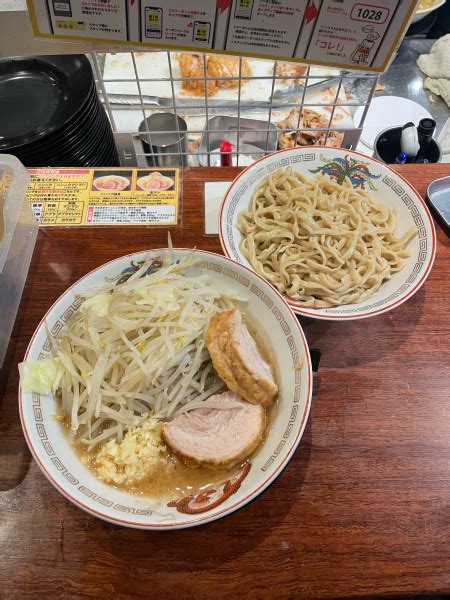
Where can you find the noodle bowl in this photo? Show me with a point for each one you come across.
(320, 242)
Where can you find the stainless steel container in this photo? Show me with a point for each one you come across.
(255, 138)
(164, 137)
(438, 193)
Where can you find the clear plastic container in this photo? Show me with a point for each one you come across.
(18, 230)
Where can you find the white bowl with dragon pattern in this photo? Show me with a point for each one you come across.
(384, 185)
(61, 465)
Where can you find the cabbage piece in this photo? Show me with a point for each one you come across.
(98, 304)
(40, 376)
(164, 295)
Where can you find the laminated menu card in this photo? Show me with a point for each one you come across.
(112, 196)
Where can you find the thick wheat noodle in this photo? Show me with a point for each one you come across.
(320, 242)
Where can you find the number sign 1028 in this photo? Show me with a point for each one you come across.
(369, 13)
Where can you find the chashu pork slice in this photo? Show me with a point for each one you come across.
(237, 360)
(216, 437)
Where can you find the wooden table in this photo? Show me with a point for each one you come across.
(362, 509)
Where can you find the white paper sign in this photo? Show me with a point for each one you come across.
(265, 27)
(101, 19)
(190, 23)
(349, 34)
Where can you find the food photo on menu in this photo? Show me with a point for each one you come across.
(111, 181)
(155, 181)
(224, 264)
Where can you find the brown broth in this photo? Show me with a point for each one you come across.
(180, 480)
(175, 480)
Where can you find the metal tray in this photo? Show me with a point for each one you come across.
(246, 135)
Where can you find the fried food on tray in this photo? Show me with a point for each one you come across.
(290, 70)
(193, 65)
(309, 119)
(228, 66)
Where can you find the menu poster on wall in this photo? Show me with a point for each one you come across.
(350, 34)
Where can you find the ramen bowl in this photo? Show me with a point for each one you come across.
(382, 183)
(59, 462)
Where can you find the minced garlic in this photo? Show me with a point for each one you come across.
(140, 452)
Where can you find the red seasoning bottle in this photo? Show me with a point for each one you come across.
(225, 154)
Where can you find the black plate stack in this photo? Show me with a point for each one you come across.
(51, 115)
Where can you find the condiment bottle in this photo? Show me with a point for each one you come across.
(225, 154)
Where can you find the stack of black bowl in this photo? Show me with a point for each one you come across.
(50, 113)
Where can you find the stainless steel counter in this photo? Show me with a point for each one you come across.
(404, 78)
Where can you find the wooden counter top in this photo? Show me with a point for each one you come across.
(362, 509)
